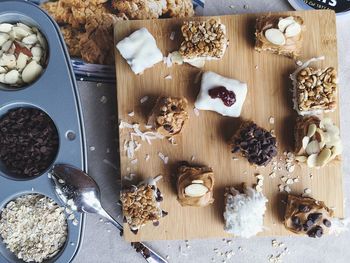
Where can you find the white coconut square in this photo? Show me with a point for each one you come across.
(211, 80)
(140, 50)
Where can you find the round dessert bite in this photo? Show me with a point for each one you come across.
(244, 212)
(222, 95)
(141, 204)
(23, 54)
(195, 185)
(29, 140)
(317, 142)
(168, 116)
(305, 215)
(254, 143)
(33, 227)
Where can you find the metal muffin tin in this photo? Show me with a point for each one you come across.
(54, 92)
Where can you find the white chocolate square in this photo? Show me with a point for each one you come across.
(140, 50)
(211, 80)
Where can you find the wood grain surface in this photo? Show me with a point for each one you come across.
(205, 136)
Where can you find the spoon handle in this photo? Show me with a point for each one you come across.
(146, 252)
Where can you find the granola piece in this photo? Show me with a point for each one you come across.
(195, 185)
(305, 215)
(141, 204)
(169, 115)
(244, 211)
(317, 141)
(96, 44)
(71, 38)
(203, 41)
(281, 35)
(83, 3)
(254, 143)
(179, 8)
(315, 90)
(140, 9)
(140, 50)
(81, 14)
(59, 11)
(222, 95)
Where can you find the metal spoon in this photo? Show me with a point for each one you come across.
(80, 192)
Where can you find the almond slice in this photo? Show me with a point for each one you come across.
(285, 22)
(12, 77)
(31, 72)
(30, 40)
(2, 70)
(323, 157)
(293, 30)
(5, 27)
(3, 38)
(305, 142)
(311, 130)
(21, 61)
(312, 160)
(197, 182)
(313, 147)
(275, 36)
(301, 158)
(196, 190)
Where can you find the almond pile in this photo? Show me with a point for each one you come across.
(320, 141)
(23, 52)
(287, 28)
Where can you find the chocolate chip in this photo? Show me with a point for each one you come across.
(314, 217)
(303, 208)
(164, 213)
(134, 231)
(317, 231)
(296, 221)
(29, 141)
(327, 223)
(156, 223)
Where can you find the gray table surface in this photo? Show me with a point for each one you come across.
(101, 242)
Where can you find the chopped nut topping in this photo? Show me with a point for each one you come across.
(203, 39)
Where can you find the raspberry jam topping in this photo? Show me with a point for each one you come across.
(228, 97)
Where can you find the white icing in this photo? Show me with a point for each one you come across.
(244, 212)
(140, 50)
(205, 102)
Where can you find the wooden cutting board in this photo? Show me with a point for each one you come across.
(205, 136)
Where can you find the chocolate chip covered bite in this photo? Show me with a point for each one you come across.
(317, 142)
(195, 185)
(305, 215)
(254, 143)
(281, 35)
(141, 204)
(203, 41)
(314, 90)
(169, 115)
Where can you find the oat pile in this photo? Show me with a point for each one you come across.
(33, 227)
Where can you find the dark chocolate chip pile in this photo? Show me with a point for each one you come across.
(255, 143)
(29, 142)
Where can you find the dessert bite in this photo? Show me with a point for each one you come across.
(305, 215)
(317, 142)
(280, 35)
(140, 50)
(169, 116)
(314, 90)
(222, 95)
(195, 185)
(244, 212)
(141, 204)
(203, 41)
(254, 143)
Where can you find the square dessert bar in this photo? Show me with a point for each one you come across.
(315, 90)
(203, 40)
(254, 143)
(280, 35)
(141, 204)
(305, 215)
(169, 116)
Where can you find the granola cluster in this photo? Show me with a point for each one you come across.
(203, 39)
(141, 205)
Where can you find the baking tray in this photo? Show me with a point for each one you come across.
(55, 92)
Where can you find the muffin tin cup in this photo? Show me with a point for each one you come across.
(55, 93)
